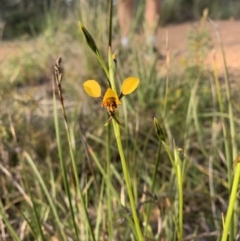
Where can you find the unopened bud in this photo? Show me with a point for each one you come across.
(89, 39)
(180, 154)
(114, 57)
(159, 130)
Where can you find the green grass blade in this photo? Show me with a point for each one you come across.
(8, 224)
(63, 166)
(47, 194)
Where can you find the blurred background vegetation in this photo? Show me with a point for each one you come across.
(183, 97)
(27, 17)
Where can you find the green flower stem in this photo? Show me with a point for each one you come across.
(127, 180)
(109, 193)
(121, 153)
(101, 61)
(231, 202)
(110, 24)
(180, 194)
(111, 69)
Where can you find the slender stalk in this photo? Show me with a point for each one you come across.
(106, 178)
(108, 144)
(232, 201)
(234, 222)
(101, 61)
(156, 166)
(63, 163)
(110, 24)
(153, 181)
(117, 132)
(177, 164)
(221, 108)
(177, 169)
(109, 194)
(127, 181)
(167, 77)
(180, 193)
(99, 211)
(58, 78)
(103, 172)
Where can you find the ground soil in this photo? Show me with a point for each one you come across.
(229, 32)
(178, 43)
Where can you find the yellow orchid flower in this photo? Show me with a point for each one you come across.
(110, 99)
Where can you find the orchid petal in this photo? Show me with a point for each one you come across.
(110, 94)
(129, 85)
(92, 88)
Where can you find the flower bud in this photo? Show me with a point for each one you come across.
(159, 130)
(180, 154)
(89, 39)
